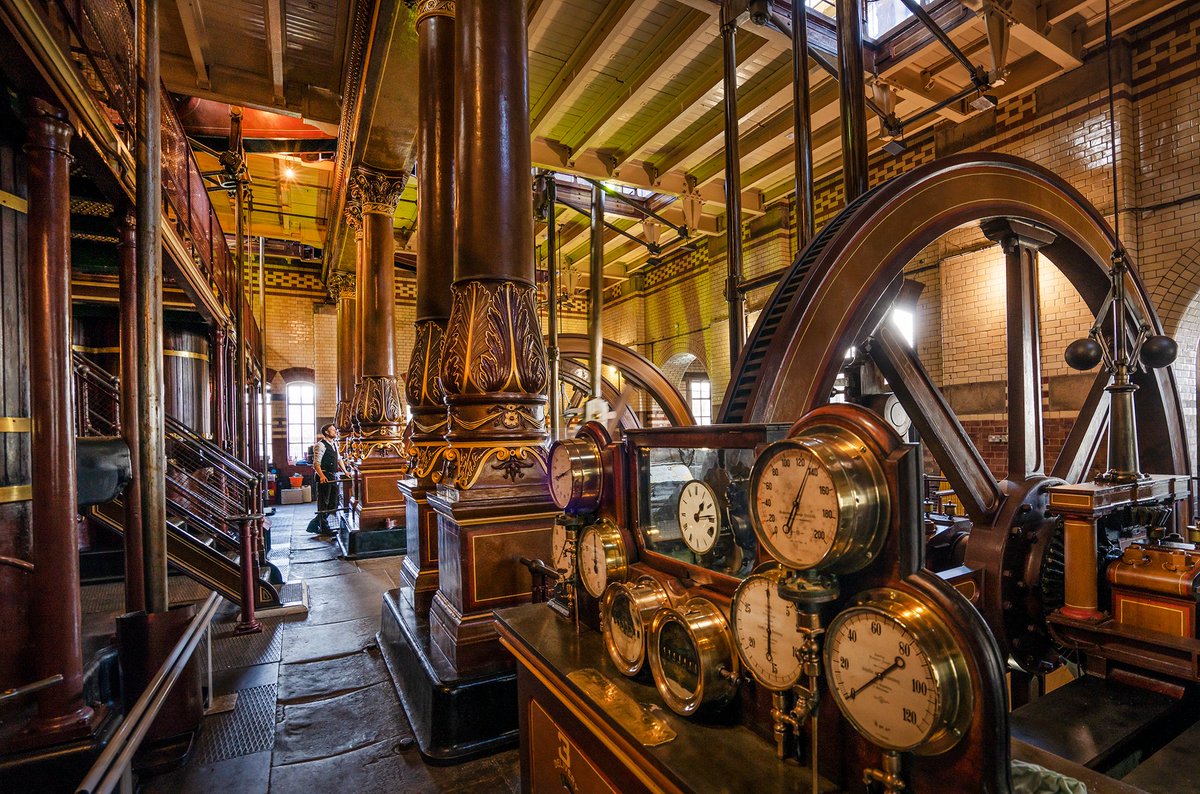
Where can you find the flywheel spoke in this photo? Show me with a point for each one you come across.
(941, 432)
(1025, 456)
(1083, 442)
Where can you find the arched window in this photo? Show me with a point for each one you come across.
(301, 419)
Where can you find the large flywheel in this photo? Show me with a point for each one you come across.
(841, 287)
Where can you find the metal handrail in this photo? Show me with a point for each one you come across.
(113, 762)
(29, 689)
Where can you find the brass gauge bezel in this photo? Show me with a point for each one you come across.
(704, 625)
(948, 666)
(773, 574)
(863, 497)
(645, 597)
(616, 558)
(585, 472)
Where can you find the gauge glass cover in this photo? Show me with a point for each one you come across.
(600, 557)
(766, 631)
(897, 676)
(561, 475)
(797, 505)
(699, 516)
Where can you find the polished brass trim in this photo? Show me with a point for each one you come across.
(15, 424)
(14, 202)
(186, 354)
(587, 714)
(707, 629)
(16, 493)
(95, 351)
(116, 350)
(616, 558)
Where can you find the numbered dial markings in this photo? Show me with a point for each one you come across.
(560, 551)
(820, 500)
(699, 516)
(600, 557)
(895, 674)
(766, 631)
(797, 505)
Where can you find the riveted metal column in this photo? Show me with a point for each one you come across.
(853, 98)
(56, 613)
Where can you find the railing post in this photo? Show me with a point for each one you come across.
(247, 526)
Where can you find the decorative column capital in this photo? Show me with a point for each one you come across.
(376, 192)
(342, 286)
(353, 214)
(434, 8)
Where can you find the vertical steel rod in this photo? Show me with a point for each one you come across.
(152, 450)
(853, 98)
(733, 193)
(264, 425)
(554, 404)
(596, 294)
(805, 220)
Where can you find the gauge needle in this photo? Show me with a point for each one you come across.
(566, 473)
(770, 656)
(787, 525)
(896, 665)
(595, 559)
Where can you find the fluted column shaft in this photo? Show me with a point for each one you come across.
(343, 289)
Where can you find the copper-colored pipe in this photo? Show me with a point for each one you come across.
(56, 613)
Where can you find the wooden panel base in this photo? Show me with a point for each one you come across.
(419, 571)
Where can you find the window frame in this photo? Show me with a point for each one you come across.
(306, 425)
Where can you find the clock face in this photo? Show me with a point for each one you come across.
(600, 557)
(896, 674)
(766, 631)
(560, 475)
(561, 558)
(699, 517)
(797, 505)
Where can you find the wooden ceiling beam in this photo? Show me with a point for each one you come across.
(688, 100)
(1060, 43)
(665, 56)
(195, 35)
(1128, 16)
(765, 97)
(578, 70)
(276, 45)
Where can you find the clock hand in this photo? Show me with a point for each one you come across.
(566, 473)
(896, 665)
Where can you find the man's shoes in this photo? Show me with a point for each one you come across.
(314, 527)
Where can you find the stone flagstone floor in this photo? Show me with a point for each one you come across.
(316, 710)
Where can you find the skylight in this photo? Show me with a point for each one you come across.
(883, 16)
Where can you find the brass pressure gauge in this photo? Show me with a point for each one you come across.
(626, 612)
(575, 475)
(600, 557)
(897, 674)
(692, 657)
(820, 500)
(766, 630)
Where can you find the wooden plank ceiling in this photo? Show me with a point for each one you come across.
(629, 91)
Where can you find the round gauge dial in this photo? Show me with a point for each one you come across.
(820, 500)
(600, 557)
(561, 557)
(689, 648)
(625, 613)
(575, 475)
(699, 516)
(767, 631)
(896, 673)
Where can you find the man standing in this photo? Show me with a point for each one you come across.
(327, 464)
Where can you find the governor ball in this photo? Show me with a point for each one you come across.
(1083, 354)
(1158, 351)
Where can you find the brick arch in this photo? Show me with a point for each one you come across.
(679, 364)
(298, 374)
(1177, 297)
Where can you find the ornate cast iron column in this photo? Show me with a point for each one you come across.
(495, 509)
(56, 612)
(378, 408)
(435, 269)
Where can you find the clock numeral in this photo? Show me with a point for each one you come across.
(786, 463)
(818, 534)
(768, 486)
(827, 514)
(746, 608)
(813, 471)
(876, 628)
(910, 716)
(920, 687)
(906, 648)
(851, 635)
(843, 663)
(826, 490)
